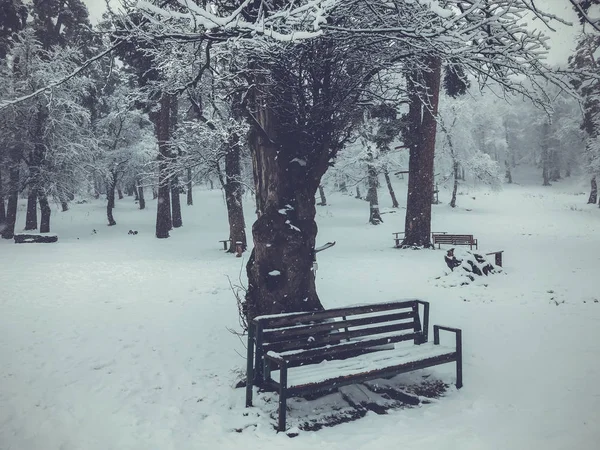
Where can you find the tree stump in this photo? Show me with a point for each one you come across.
(34, 238)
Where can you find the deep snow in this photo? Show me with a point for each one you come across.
(117, 341)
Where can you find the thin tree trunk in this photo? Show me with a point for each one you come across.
(141, 199)
(455, 188)
(233, 198)
(31, 222)
(358, 193)
(45, 212)
(154, 193)
(422, 119)
(2, 205)
(374, 215)
(120, 193)
(64, 205)
(162, 128)
(176, 203)
(508, 172)
(386, 174)
(545, 155)
(323, 201)
(190, 198)
(594, 192)
(13, 199)
(110, 195)
(136, 194)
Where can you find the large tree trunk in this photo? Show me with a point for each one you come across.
(176, 203)
(388, 182)
(13, 199)
(162, 128)
(31, 222)
(422, 120)
(190, 198)
(110, 196)
(594, 192)
(374, 215)
(280, 268)
(45, 212)
(233, 197)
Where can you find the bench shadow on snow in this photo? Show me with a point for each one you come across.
(349, 403)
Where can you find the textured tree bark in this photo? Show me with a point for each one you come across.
(176, 203)
(110, 196)
(161, 121)
(190, 198)
(64, 205)
(386, 174)
(594, 191)
(13, 198)
(45, 212)
(421, 137)
(120, 193)
(286, 176)
(358, 193)
(372, 197)
(31, 216)
(233, 196)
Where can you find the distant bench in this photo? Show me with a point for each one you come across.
(398, 239)
(323, 350)
(454, 239)
(34, 238)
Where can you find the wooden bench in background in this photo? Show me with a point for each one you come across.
(454, 239)
(34, 238)
(304, 353)
(497, 257)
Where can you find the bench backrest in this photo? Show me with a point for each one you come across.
(340, 331)
(451, 238)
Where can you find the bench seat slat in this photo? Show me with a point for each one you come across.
(330, 370)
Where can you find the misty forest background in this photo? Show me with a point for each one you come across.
(287, 102)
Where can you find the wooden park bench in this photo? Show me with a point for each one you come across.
(454, 239)
(398, 240)
(304, 353)
(225, 242)
(34, 238)
(497, 257)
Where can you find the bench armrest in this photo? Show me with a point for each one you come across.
(456, 331)
(275, 358)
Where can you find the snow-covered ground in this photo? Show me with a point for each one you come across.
(117, 341)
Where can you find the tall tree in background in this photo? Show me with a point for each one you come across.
(423, 93)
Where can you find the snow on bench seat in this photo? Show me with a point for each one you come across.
(329, 370)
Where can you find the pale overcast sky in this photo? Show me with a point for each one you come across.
(562, 41)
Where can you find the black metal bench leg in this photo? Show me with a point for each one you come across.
(249, 366)
(282, 398)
